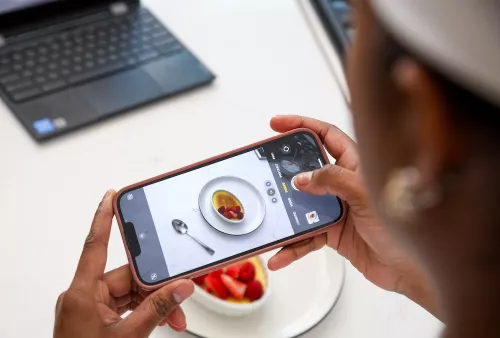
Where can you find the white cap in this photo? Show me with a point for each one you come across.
(459, 38)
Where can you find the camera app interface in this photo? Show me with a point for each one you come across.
(225, 208)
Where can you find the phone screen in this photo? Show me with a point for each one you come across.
(224, 209)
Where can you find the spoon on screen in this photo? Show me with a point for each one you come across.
(182, 229)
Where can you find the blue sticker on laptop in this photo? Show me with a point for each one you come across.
(44, 126)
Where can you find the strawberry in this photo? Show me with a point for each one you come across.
(240, 215)
(227, 214)
(199, 280)
(216, 273)
(254, 290)
(237, 209)
(247, 272)
(234, 270)
(236, 288)
(222, 210)
(216, 287)
(233, 214)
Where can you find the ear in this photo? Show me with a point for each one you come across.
(437, 142)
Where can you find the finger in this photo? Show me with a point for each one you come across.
(137, 297)
(123, 309)
(154, 309)
(334, 180)
(143, 293)
(59, 301)
(123, 301)
(93, 259)
(129, 307)
(294, 252)
(336, 142)
(176, 320)
(120, 281)
(132, 297)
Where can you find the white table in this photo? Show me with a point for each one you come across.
(267, 62)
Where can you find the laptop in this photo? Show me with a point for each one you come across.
(65, 64)
(337, 18)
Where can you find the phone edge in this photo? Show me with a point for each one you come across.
(201, 272)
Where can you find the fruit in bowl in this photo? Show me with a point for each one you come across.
(237, 290)
(228, 206)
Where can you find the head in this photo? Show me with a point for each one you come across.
(409, 113)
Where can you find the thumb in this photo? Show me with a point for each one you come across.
(334, 180)
(155, 308)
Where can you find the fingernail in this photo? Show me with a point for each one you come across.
(270, 262)
(174, 326)
(106, 195)
(182, 292)
(304, 178)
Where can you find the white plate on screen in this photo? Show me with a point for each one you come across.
(253, 204)
(303, 294)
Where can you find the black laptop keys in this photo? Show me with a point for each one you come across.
(83, 54)
(66, 64)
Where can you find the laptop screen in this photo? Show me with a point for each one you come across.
(7, 6)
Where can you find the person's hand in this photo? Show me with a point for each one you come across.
(92, 305)
(360, 236)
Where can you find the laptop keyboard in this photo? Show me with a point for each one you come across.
(82, 54)
(344, 13)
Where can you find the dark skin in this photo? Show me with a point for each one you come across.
(360, 237)
(447, 258)
(402, 118)
(95, 301)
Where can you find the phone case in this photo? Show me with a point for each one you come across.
(203, 271)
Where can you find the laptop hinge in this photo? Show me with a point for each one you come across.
(118, 8)
(3, 42)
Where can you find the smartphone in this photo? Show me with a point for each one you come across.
(195, 219)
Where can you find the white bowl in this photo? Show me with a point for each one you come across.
(230, 309)
(222, 216)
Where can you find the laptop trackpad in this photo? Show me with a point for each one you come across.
(121, 91)
(178, 72)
